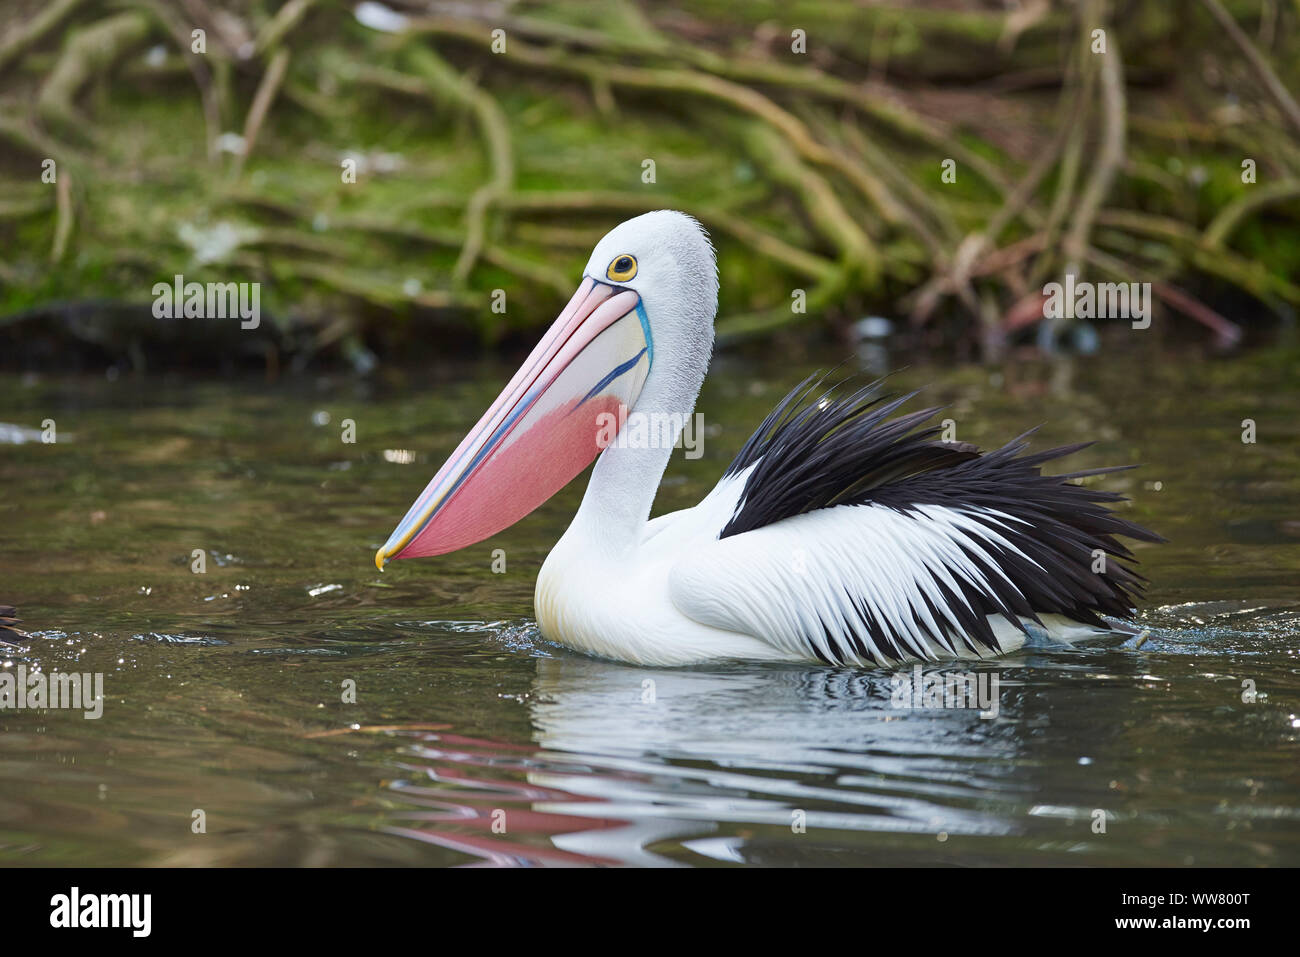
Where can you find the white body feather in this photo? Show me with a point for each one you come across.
(683, 596)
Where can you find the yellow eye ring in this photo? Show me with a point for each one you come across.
(622, 268)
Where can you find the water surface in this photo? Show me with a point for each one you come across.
(474, 741)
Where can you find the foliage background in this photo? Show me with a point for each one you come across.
(481, 170)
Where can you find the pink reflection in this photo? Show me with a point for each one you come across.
(482, 783)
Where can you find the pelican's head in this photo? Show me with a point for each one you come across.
(640, 321)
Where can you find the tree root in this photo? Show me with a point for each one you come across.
(27, 35)
(1232, 215)
(87, 52)
(840, 159)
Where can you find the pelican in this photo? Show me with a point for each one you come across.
(841, 533)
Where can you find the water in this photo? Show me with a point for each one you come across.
(473, 741)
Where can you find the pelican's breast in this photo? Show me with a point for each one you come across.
(623, 610)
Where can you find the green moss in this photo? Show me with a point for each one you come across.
(148, 181)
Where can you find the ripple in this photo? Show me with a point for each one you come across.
(180, 639)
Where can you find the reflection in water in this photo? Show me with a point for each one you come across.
(466, 809)
(778, 748)
(633, 757)
(783, 764)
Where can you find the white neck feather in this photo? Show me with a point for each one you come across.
(681, 312)
(624, 482)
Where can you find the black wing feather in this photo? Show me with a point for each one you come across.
(841, 447)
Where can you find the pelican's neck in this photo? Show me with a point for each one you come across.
(623, 484)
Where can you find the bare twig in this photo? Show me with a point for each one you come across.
(279, 26)
(1109, 159)
(1281, 96)
(445, 82)
(66, 215)
(262, 100)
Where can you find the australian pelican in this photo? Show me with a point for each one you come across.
(839, 533)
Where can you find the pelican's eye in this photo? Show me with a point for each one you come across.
(622, 269)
